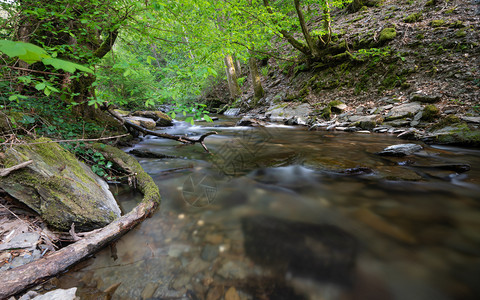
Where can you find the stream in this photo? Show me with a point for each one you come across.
(285, 213)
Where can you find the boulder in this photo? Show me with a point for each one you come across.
(282, 113)
(404, 111)
(400, 150)
(161, 118)
(247, 121)
(58, 187)
(144, 122)
(455, 134)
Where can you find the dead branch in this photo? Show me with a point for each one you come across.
(182, 139)
(5, 172)
(18, 279)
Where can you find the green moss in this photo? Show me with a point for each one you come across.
(451, 10)
(461, 33)
(413, 18)
(387, 34)
(291, 97)
(437, 23)
(145, 183)
(449, 120)
(420, 36)
(456, 24)
(460, 135)
(327, 113)
(430, 112)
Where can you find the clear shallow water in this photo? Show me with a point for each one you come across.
(283, 213)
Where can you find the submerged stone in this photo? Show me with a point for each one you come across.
(58, 187)
(322, 251)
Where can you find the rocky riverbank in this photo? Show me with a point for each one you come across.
(422, 83)
(420, 117)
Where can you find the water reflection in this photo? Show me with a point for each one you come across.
(298, 215)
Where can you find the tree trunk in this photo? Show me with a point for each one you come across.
(238, 67)
(257, 84)
(232, 78)
(308, 38)
(327, 26)
(296, 44)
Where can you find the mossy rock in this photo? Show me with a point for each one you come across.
(58, 187)
(455, 134)
(461, 33)
(161, 118)
(437, 23)
(447, 121)
(335, 106)
(361, 5)
(456, 24)
(430, 112)
(386, 35)
(413, 18)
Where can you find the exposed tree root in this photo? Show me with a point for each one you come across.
(18, 279)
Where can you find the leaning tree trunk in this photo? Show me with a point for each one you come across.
(258, 91)
(289, 37)
(306, 34)
(232, 78)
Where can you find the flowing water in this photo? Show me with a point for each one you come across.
(285, 213)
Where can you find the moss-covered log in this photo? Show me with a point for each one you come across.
(16, 280)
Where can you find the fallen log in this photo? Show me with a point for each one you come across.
(18, 279)
(182, 139)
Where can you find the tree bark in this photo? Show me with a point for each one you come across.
(306, 34)
(16, 280)
(295, 43)
(327, 26)
(258, 91)
(232, 78)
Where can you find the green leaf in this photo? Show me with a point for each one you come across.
(27, 52)
(40, 86)
(66, 66)
(150, 58)
(189, 120)
(207, 118)
(173, 115)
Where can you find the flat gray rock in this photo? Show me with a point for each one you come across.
(400, 150)
(404, 110)
(471, 119)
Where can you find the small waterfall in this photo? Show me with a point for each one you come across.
(232, 112)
